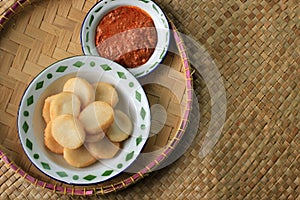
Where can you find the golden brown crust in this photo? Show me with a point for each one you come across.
(50, 142)
(46, 108)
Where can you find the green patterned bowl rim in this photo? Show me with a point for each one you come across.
(132, 100)
(160, 21)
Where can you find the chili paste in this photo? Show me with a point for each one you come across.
(126, 35)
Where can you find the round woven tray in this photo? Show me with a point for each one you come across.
(255, 45)
(53, 36)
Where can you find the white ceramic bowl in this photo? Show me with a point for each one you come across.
(88, 30)
(132, 100)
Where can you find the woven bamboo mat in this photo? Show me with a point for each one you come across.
(256, 47)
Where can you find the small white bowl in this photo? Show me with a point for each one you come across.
(88, 30)
(132, 101)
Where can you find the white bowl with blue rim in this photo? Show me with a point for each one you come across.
(94, 16)
(132, 101)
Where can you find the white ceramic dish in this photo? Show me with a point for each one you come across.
(132, 101)
(88, 30)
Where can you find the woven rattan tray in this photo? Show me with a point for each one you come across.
(255, 46)
(42, 32)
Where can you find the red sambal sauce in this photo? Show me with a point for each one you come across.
(126, 35)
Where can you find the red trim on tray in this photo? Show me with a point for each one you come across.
(49, 186)
(78, 192)
(1, 26)
(17, 4)
(123, 184)
(59, 188)
(136, 176)
(30, 178)
(12, 10)
(112, 185)
(168, 150)
(107, 190)
(14, 167)
(132, 179)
